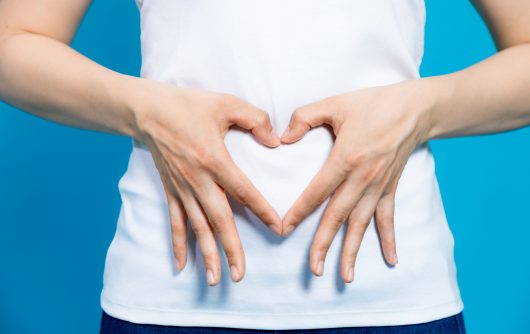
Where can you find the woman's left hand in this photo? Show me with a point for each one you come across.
(376, 130)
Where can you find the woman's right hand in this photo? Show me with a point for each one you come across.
(184, 130)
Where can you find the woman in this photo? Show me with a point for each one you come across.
(220, 80)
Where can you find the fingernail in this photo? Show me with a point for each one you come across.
(286, 132)
(395, 259)
(209, 277)
(234, 272)
(320, 268)
(350, 274)
(177, 264)
(288, 230)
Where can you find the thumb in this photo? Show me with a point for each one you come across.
(304, 119)
(257, 121)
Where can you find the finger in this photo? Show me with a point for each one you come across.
(328, 178)
(358, 222)
(384, 218)
(305, 118)
(177, 215)
(205, 237)
(215, 204)
(237, 184)
(256, 120)
(178, 221)
(334, 216)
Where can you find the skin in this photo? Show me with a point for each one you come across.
(376, 128)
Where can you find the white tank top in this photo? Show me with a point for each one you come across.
(279, 55)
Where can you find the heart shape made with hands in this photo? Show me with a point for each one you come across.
(280, 173)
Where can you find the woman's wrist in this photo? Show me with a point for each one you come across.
(434, 102)
(133, 94)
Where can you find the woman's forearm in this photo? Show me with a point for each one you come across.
(490, 96)
(49, 79)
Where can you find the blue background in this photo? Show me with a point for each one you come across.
(59, 199)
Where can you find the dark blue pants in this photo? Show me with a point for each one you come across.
(450, 325)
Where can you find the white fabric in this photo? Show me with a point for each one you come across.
(279, 55)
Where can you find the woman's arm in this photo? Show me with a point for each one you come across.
(377, 129)
(41, 74)
(184, 129)
(492, 95)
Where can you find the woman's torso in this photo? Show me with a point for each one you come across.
(279, 55)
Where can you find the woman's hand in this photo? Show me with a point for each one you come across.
(184, 130)
(376, 130)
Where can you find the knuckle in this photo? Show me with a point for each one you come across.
(356, 159)
(262, 119)
(339, 159)
(323, 248)
(350, 255)
(387, 215)
(200, 230)
(360, 224)
(331, 101)
(177, 227)
(386, 180)
(298, 217)
(188, 174)
(370, 176)
(205, 157)
(218, 223)
(375, 175)
(226, 101)
(391, 190)
(211, 162)
(388, 239)
(194, 155)
(240, 192)
(349, 248)
(312, 201)
(384, 227)
(229, 217)
(318, 249)
(350, 161)
(298, 115)
(210, 258)
(316, 200)
(232, 253)
(335, 217)
(330, 105)
(388, 189)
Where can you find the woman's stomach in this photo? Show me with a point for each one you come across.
(140, 270)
